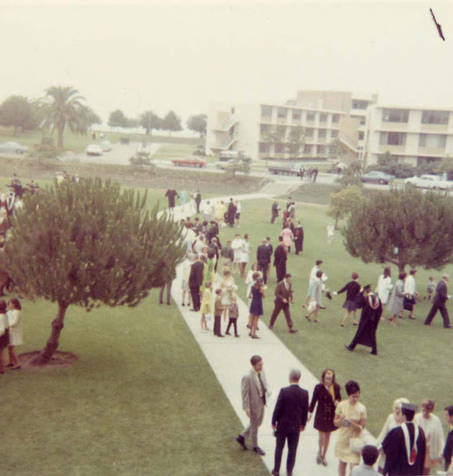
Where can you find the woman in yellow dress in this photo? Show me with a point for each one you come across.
(350, 418)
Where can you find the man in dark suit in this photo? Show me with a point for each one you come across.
(198, 200)
(274, 211)
(283, 298)
(439, 301)
(263, 258)
(288, 420)
(195, 281)
(448, 448)
(280, 257)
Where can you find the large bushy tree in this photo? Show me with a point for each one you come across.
(20, 113)
(117, 118)
(402, 227)
(198, 123)
(64, 107)
(150, 121)
(171, 122)
(87, 244)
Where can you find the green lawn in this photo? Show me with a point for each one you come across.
(413, 360)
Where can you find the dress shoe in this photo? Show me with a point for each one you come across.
(324, 462)
(348, 348)
(373, 353)
(318, 459)
(237, 335)
(241, 440)
(447, 327)
(275, 473)
(258, 451)
(293, 331)
(322, 307)
(271, 328)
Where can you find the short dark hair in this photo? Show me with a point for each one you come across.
(255, 359)
(280, 238)
(401, 276)
(2, 306)
(354, 276)
(409, 414)
(16, 303)
(412, 271)
(287, 275)
(449, 410)
(318, 262)
(352, 387)
(370, 454)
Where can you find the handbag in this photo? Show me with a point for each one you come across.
(408, 303)
(365, 438)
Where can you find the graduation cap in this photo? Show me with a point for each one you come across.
(410, 407)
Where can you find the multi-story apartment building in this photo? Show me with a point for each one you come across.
(279, 131)
(271, 130)
(414, 136)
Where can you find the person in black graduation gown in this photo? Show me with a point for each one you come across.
(369, 320)
(405, 446)
(299, 238)
(231, 212)
(280, 257)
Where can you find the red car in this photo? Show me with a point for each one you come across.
(189, 162)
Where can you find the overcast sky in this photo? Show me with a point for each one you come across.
(183, 55)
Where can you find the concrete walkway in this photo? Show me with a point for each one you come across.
(230, 360)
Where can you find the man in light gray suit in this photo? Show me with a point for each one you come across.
(254, 389)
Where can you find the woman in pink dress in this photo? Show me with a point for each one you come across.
(287, 236)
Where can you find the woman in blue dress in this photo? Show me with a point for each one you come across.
(257, 293)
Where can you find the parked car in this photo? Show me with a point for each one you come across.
(285, 169)
(432, 182)
(105, 145)
(222, 165)
(13, 148)
(93, 149)
(189, 162)
(375, 176)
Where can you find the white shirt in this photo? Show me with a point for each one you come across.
(409, 285)
(383, 288)
(434, 434)
(313, 272)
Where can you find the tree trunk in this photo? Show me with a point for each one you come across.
(60, 130)
(401, 266)
(336, 222)
(52, 343)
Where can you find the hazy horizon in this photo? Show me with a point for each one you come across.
(186, 55)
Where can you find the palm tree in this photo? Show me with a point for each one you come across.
(63, 106)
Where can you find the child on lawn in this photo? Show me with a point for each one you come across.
(233, 314)
(205, 307)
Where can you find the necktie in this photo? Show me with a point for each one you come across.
(263, 389)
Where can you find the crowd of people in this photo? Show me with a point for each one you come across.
(235, 260)
(410, 443)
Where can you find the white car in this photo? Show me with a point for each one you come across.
(432, 182)
(93, 149)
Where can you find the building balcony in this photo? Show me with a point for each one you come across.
(434, 128)
(394, 126)
(394, 149)
(432, 151)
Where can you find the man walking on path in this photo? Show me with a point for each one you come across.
(195, 281)
(280, 257)
(171, 194)
(274, 211)
(254, 389)
(288, 420)
(283, 298)
(439, 301)
(263, 258)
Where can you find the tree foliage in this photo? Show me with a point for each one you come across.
(351, 175)
(64, 107)
(237, 165)
(89, 243)
(344, 202)
(20, 113)
(150, 121)
(171, 122)
(117, 119)
(402, 227)
(391, 165)
(198, 123)
(296, 139)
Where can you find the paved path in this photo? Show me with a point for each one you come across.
(230, 360)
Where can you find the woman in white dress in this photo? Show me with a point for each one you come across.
(434, 435)
(236, 246)
(393, 420)
(228, 287)
(15, 331)
(244, 255)
(384, 285)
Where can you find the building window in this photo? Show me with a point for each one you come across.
(336, 118)
(435, 117)
(322, 133)
(333, 133)
(323, 117)
(435, 141)
(361, 135)
(309, 132)
(282, 112)
(392, 138)
(311, 116)
(362, 121)
(266, 111)
(320, 149)
(264, 148)
(279, 148)
(294, 149)
(297, 115)
(307, 149)
(359, 104)
(395, 115)
(264, 128)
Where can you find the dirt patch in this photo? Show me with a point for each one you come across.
(58, 360)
